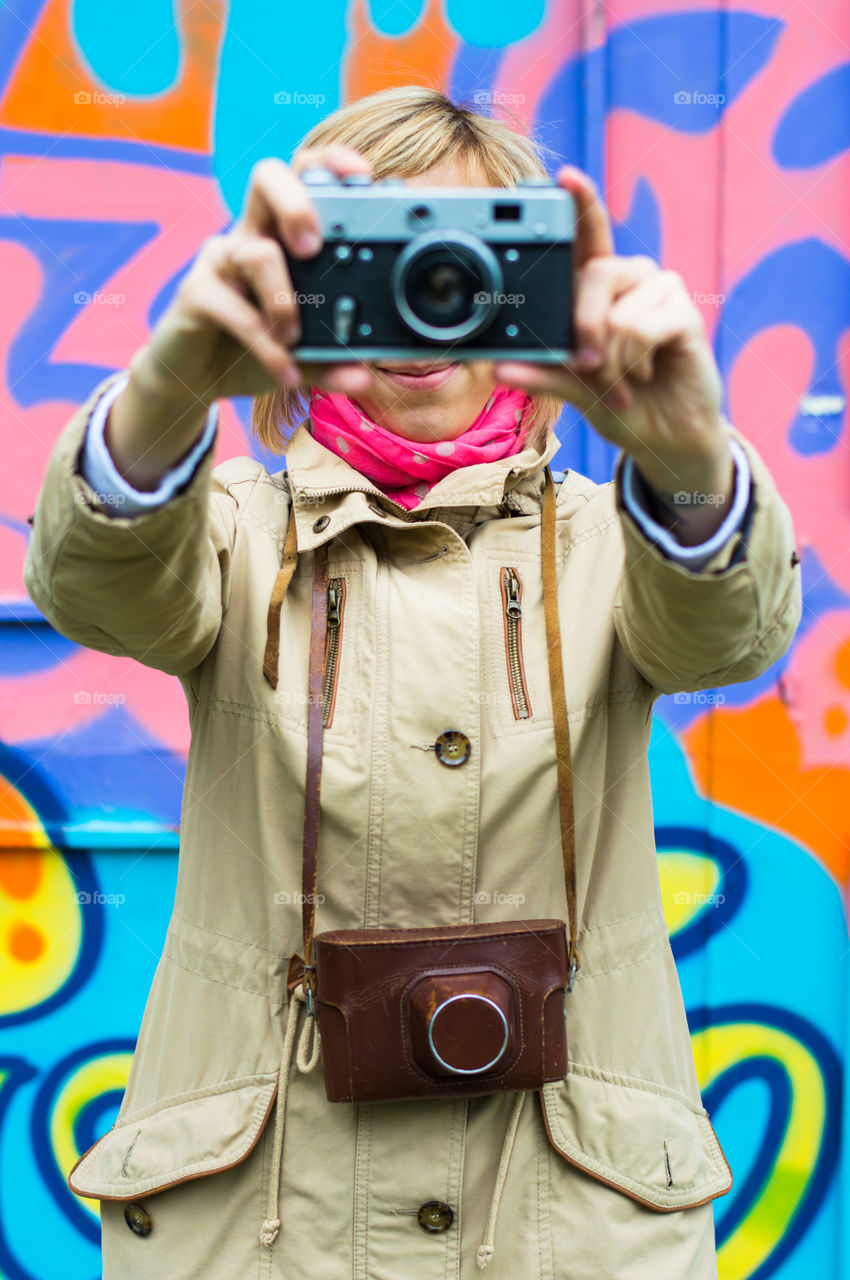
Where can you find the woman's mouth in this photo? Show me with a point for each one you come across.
(418, 376)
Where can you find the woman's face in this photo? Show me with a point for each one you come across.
(429, 400)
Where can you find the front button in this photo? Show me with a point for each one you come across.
(435, 1216)
(321, 523)
(452, 748)
(138, 1219)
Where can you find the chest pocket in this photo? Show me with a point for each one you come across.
(515, 671)
(344, 623)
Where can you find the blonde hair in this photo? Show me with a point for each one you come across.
(403, 132)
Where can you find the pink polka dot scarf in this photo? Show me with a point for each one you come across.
(407, 469)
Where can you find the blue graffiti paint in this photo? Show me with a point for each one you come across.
(96, 1117)
(141, 57)
(76, 258)
(394, 19)
(16, 142)
(820, 1178)
(35, 785)
(821, 594)
(146, 796)
(165, 296)
(26, 647)
(815, 127)
(257, 65)
(473, 77)
(18, 1072)
(651, 63)
(17, 21)
(495, 24)
(730, 891)
(773, 1076)
(806, 284)
(90, 1125)
(640, 232)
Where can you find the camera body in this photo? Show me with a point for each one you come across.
(405, 272)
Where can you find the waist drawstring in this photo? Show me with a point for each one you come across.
(487, 1248)
(306, 1062)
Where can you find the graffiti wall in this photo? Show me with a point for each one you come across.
(720, 136)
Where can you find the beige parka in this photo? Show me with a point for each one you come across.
(612, 1170)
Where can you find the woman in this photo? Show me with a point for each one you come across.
(423, 482)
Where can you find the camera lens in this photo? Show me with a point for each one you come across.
(441, 292)
(444, 285)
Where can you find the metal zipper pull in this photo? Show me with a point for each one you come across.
(513, 609)
(334, 618)
(334, 597)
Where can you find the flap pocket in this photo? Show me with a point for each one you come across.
(645, 1141)
(183, 1137)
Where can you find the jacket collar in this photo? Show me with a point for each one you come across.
(320, 482)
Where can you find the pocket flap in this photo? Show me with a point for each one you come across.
(183, 1137)
(650, 1143)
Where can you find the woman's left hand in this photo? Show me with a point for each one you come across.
(643, 372)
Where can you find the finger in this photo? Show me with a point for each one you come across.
(598, 284)
(625, 325)
(259, 261)
(220, 302)
(659, 327)
(594, 238)
(538, 379)
(337, 157)
(279, 203)
(345, 378)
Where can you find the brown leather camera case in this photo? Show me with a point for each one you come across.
(486, 992)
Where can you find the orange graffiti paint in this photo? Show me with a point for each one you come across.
(21, 872)
(26, 943)
(749, 759)
(42, 88)
(376, 61)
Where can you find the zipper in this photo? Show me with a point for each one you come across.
(411, 516)
(333, 639)
(511, 601)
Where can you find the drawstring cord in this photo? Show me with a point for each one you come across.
(306, 1062)
(487, 1248)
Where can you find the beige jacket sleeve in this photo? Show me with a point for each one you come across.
(151, 587)
(687, 630)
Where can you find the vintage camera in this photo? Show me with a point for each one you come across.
(474, 272)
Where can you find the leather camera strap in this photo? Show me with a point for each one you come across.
(315, 739)
(563, 755)
(315, 728)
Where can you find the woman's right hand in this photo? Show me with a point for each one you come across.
(233, 320)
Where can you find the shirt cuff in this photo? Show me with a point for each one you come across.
(115, 493)
(693, 557)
